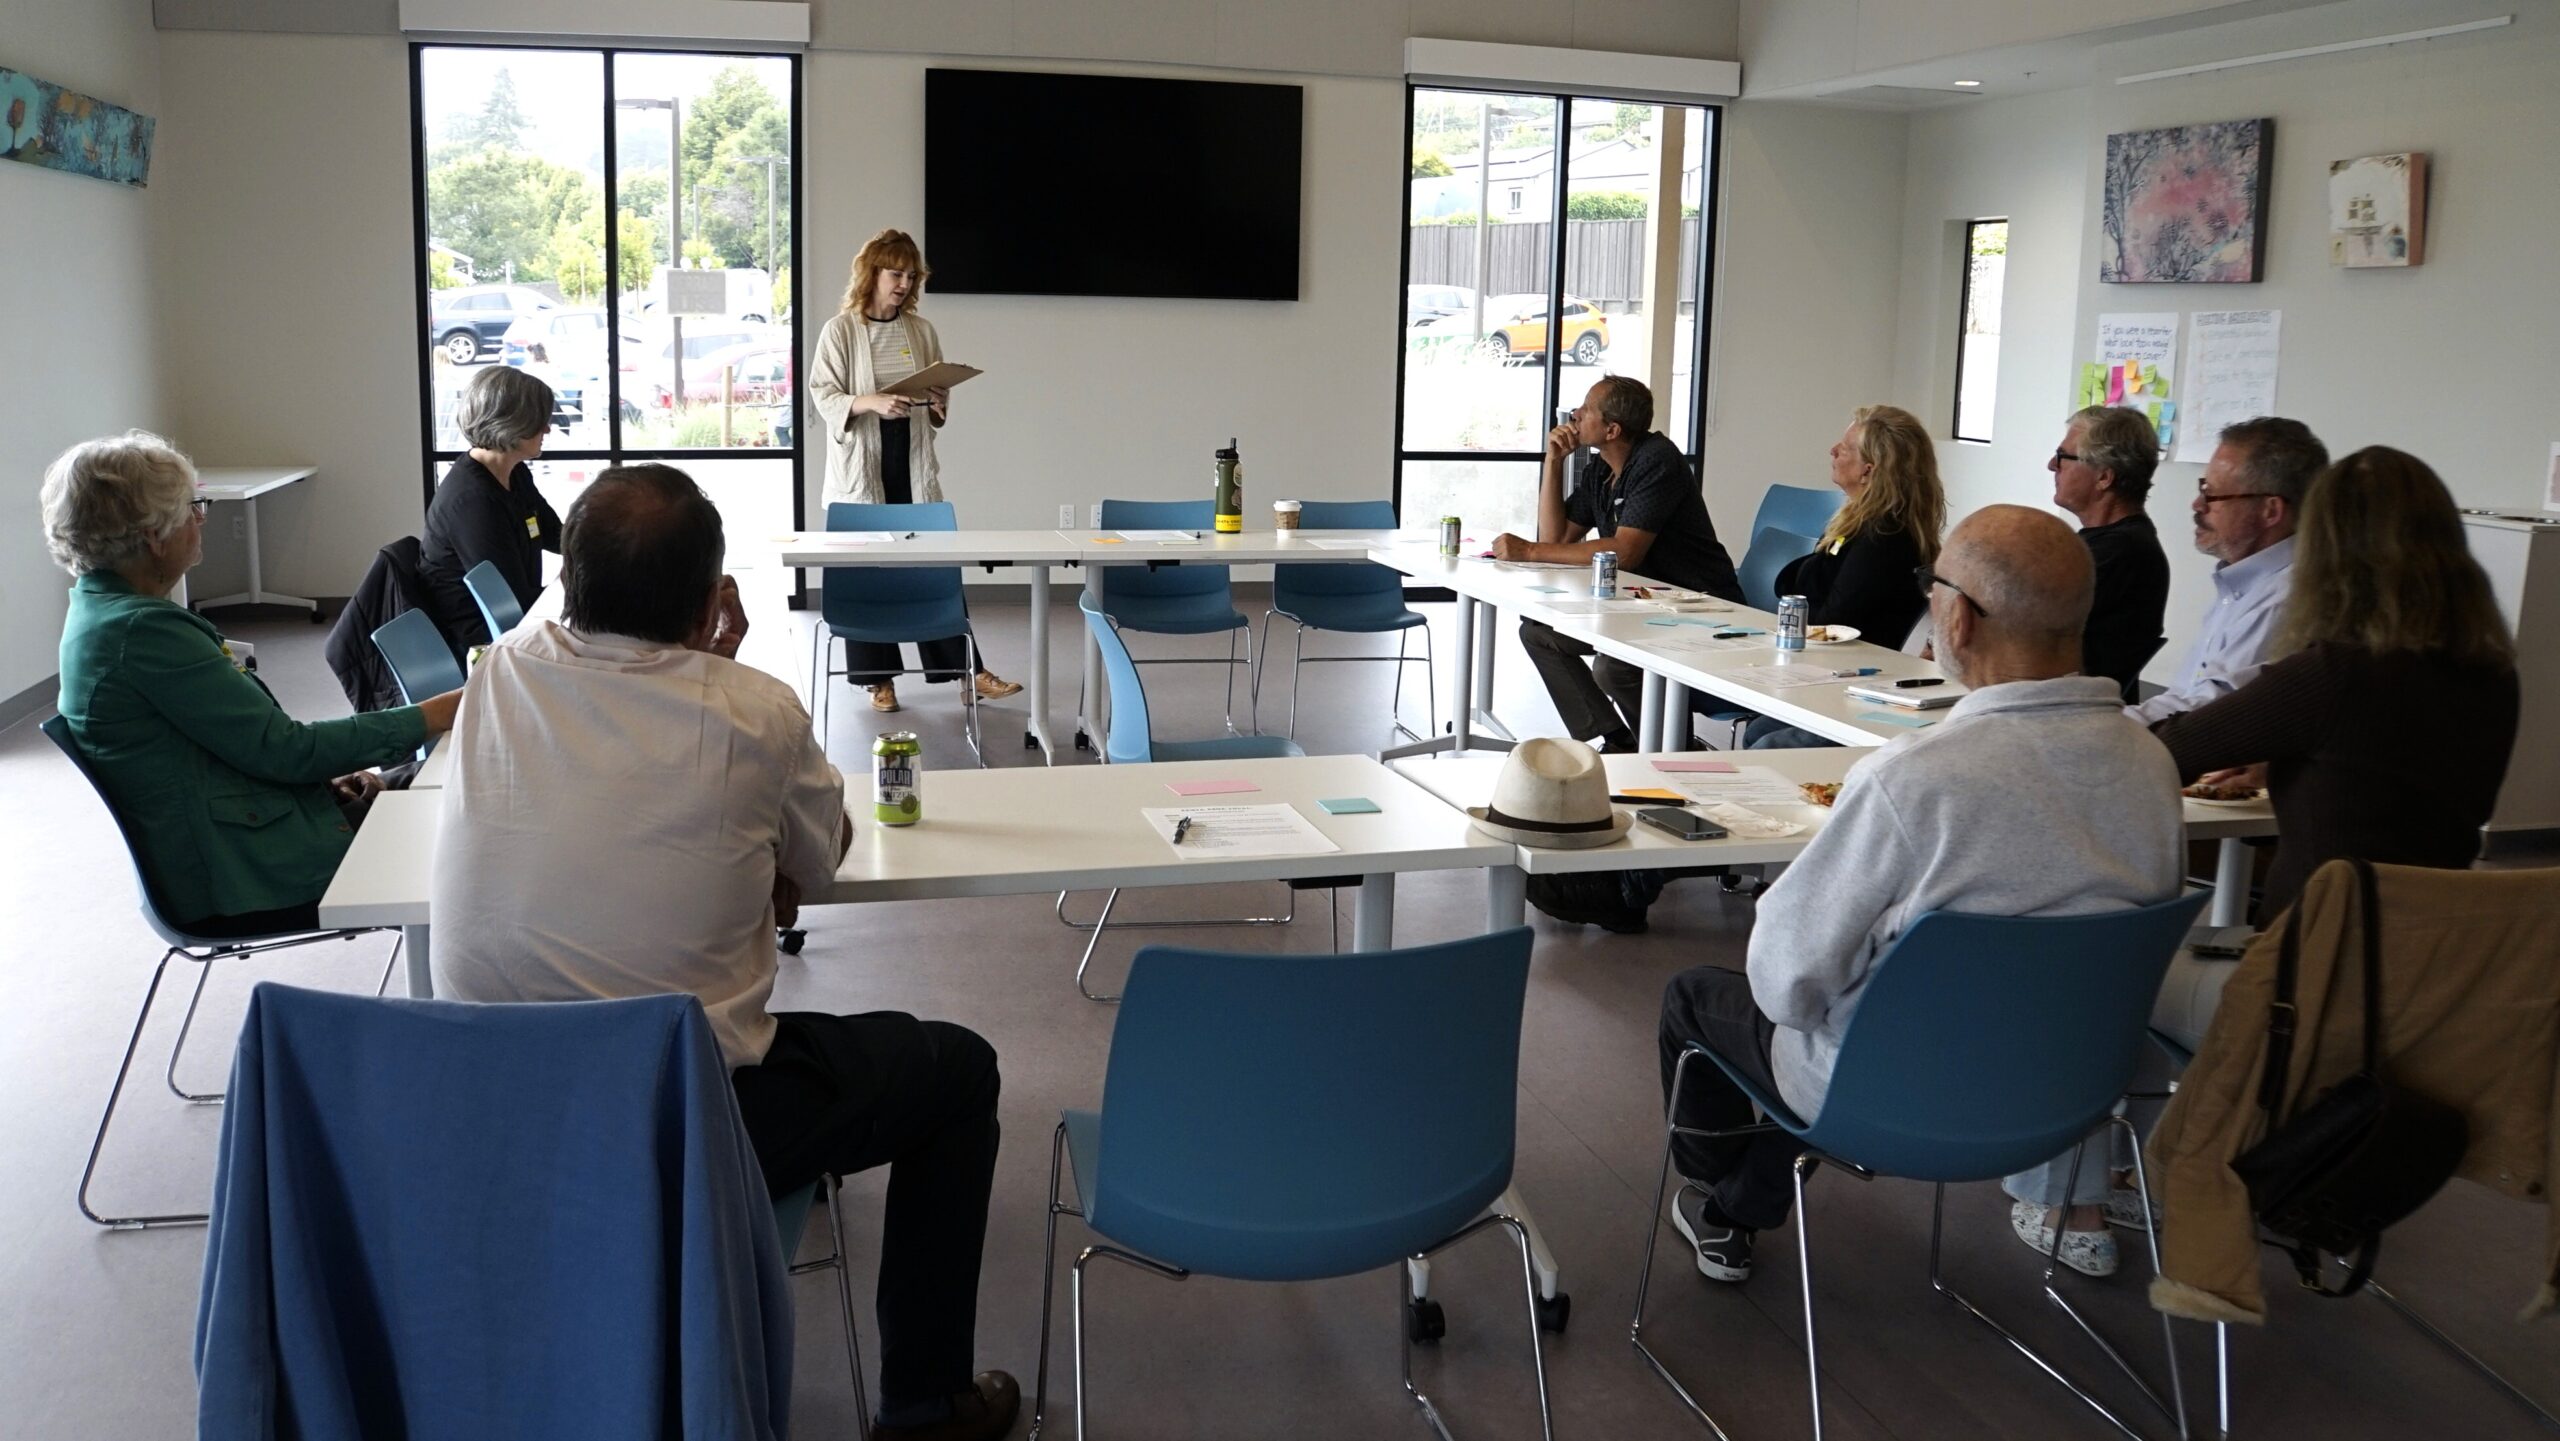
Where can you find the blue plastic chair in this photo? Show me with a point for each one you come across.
(1295, 1118)
(892, 605)
(1798, 510)
(1176, 599)
(497, 601)
(1981, 1046)
(419, 658)
(1771, 550)
(1131, 741)
(1360, 598)
(203, 950)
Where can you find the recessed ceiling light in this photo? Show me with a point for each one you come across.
(1969, 84)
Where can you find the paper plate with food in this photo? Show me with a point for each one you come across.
(2223, 793)
(1830, 634)
(1819, 793)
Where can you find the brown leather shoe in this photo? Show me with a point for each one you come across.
(983, 1413)
(884, 696)
(995, 687)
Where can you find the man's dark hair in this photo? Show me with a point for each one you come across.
(2278, 456)
(1627, 405)
(641, 554)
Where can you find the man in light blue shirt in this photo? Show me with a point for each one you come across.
(2244, 510)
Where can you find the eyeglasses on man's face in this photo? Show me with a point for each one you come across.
(2060, 455)
(2207, 497)
(200, 505)
(1929, 578)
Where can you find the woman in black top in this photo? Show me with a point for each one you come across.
(487, 508)
(2387, 611)
(1859, 575)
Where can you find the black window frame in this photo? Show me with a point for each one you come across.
(1964, 309)
(1709, 202)
(615, 452)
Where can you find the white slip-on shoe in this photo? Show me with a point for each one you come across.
(2091, 1253)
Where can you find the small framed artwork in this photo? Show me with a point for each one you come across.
(2378, 211)
(2187, 205)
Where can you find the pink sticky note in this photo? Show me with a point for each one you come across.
(2115, 385)
(1209, 788)
(1713, 768)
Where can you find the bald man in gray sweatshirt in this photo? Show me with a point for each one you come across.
(2035, 796)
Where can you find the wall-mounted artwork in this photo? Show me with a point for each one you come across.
(62, 130)
(2187, 205)
(2378, 211)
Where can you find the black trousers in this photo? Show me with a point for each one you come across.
(1599, 701)
(1751, 1177)
(871, 662)
(843, 1094)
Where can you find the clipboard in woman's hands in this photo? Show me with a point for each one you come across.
(941, 374)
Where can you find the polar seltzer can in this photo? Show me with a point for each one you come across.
(1449, 537)
(1791, 618)
(897, 779)
(1604, 575)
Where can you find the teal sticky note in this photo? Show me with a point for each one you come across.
(1350, 806)
(1907, 722)
(1548, 589)
(1665, 620)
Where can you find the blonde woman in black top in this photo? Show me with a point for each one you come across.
(1860, 575)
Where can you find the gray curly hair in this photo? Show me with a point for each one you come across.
(107, 500)
(502, 408)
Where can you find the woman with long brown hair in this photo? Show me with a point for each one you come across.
(2387, 607)
(879, 445)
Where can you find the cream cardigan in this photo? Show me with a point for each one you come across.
(839, 374)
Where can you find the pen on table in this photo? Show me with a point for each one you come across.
(906, 535)
(1181, 825)
(1854, 674)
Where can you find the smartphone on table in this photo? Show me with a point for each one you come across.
(1686, 824)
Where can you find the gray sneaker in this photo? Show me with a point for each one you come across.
(1724, 1249)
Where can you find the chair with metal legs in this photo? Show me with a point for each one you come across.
(1131, 741)
(204, 951)
(1183, 599)
(1981, 1046)
(1297, 1118)
(2180, 1055)
(893, 605)
(1355, 598)
(791, 1218)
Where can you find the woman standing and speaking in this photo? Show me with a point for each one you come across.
(880, 446)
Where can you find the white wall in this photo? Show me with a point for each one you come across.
(1805, 299)
(285, 256)
(76, 286)
(1087, 397)
(2451, 360)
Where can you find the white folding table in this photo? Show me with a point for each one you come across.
(245, 485)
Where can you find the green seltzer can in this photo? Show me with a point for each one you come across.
(897, 779)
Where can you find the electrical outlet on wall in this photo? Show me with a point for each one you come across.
(1067, 517)
(239, 527)
(1096, 523)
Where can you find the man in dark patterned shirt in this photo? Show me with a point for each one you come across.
(1639, 498)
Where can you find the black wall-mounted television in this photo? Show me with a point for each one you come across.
(1048, 184)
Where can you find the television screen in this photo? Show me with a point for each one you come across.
(1039, 184)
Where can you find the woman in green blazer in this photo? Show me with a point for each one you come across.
(240, 812)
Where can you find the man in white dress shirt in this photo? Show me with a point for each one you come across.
(630, 813)
(2245, 506)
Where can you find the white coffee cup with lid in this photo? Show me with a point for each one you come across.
(1284, 515)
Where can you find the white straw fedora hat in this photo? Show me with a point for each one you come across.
(1552, 793)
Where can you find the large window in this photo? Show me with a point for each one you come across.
(1986, 265)
(1550, 240)
(621, 224)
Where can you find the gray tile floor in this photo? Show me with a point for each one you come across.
(95, 1340)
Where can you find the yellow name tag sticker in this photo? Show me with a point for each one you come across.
(533, 527)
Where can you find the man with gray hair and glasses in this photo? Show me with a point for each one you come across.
(2102, 475)
(2244, 509)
